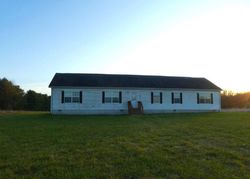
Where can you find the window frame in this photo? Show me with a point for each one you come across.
(204, 98)
(72, 96)
(177, 100)
(156, 97)
(111, 97)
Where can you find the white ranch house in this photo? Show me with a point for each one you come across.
(122, 94)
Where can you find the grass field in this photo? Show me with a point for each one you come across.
(208, 145)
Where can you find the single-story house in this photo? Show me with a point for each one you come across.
(74, 93)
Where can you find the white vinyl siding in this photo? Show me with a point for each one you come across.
(94, 104)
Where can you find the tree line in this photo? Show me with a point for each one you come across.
(12, 97)
(230, 99)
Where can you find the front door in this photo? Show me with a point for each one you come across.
(135, 97)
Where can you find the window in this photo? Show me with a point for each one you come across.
(156, 97)
(111, 97)
(71, 97)
(75, 97)
(204, 98)
(67, 99)
(176, 98)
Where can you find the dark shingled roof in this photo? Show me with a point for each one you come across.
(137, 81)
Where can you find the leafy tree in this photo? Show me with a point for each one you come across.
(10, 95)
(235, 100)
(36, 101)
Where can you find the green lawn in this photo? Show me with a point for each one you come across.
(208, 145)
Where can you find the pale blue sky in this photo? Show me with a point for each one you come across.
(174, 38)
